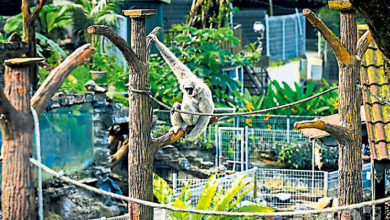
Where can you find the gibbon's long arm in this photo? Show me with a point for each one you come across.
(179, 69)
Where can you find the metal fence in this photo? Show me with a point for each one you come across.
(280, 188)
(284, 188)
(197, 185)
(285, 36)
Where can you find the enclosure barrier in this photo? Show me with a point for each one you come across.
(196, 185)
(205, 212)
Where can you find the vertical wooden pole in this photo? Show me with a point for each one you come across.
(141, 155)
(350, 162)
(18, 193)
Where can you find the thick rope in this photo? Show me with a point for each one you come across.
(38, 148)
(206, 212)
(230, 114)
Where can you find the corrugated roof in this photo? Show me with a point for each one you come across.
(375, 76)
(331, 119)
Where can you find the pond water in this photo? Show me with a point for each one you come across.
(67, 138)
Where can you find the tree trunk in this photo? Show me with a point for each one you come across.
(18, 193)
(376, 14)
(350, 163)
(141, 155)
(29, 35)
(208, 13)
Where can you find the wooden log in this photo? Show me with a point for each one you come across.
(18, 193)
(53, 82)
(141, 155)
(334, 42)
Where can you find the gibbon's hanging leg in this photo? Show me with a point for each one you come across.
(176, 120)
(197, 96)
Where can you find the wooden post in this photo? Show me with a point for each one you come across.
(348, 52)
(141, 155)
(18, 193)
(350, 189)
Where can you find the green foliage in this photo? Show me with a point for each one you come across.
(49, 22)
(294, 156)
(55, 47)
(283, 94)
(213, 197)
(81, 14)
(201, 51)
(161, 190)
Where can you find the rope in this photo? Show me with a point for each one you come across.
(231, 114)
(205, 212)
(381, 99)
(38, 146)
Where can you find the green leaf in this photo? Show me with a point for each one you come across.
(206, 197)
(14, 23)
(309, 89)
(181, 215)
(52, 44)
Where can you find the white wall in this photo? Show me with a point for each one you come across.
(288, 73)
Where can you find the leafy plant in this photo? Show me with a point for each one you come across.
(80, 14)
(213, 197)
(99, 60)
(280, 94)
(294, 156)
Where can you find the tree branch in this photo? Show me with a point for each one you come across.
(37, 10)
(362, 44)
(334, 42)
(149, 41)
(129, 55)
(170, 138)
(340, 133)
(54, 81)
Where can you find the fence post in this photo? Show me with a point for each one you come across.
(288, 130)
(255, 185)
(284, 39)
(247, 147)
(174, 182)
(216, 146)
(296, 38)
(326, 184)
(267, 33)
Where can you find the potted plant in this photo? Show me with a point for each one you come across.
(99, 62)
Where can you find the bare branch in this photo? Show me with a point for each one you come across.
(166, 139)
(170, 138)
(129, 55)
(362, 44)
(26, 9)
(341, 134)
(38, 9)
(54, 81)
(334, 42)
(149, 40)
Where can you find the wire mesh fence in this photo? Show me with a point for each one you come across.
(285, 36)
(281, 188)
(284, 188)
(196, 185)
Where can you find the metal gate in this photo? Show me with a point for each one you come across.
(232, 149)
